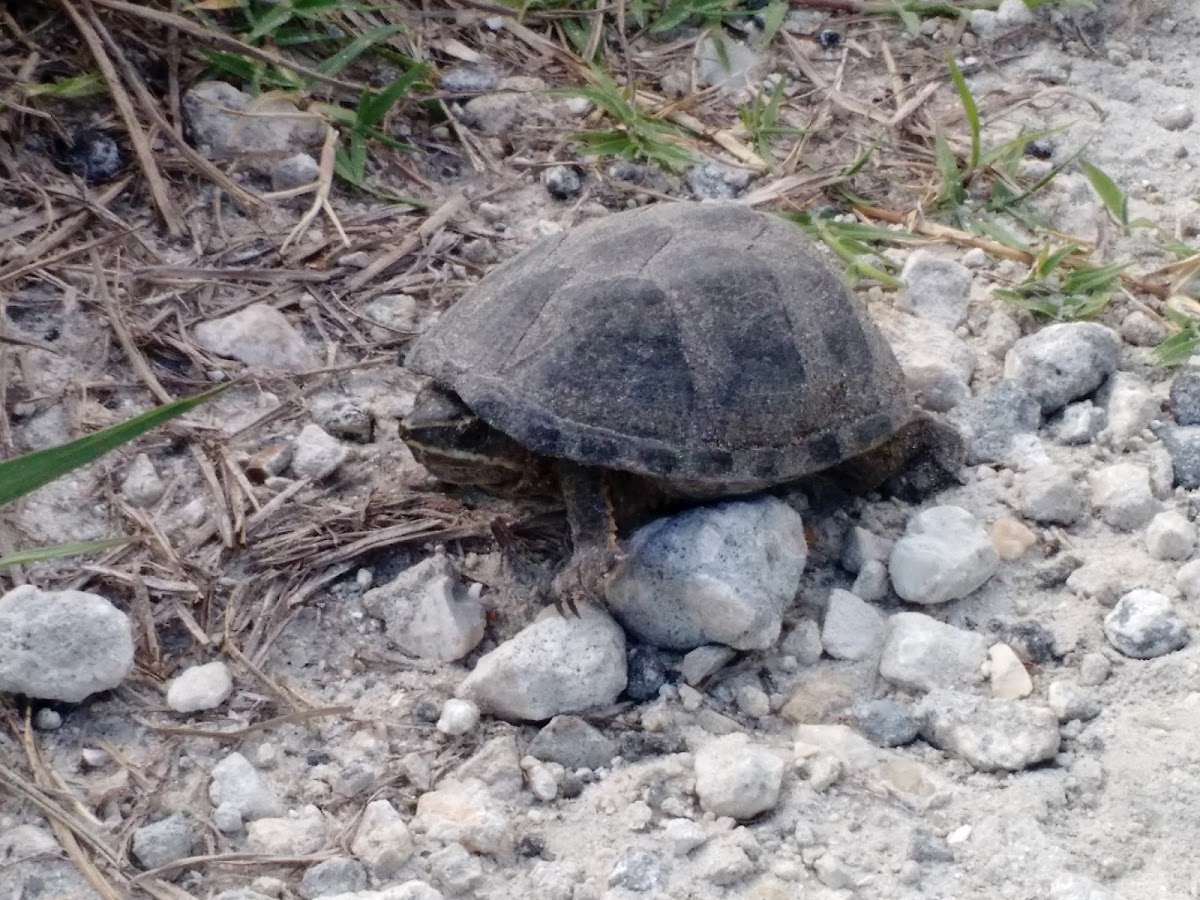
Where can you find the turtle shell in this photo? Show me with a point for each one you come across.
(701, 344)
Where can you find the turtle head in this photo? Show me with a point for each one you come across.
(455, 445)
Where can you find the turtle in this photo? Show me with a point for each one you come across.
(693, 350)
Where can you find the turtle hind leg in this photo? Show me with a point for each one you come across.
(924, 456)
(593, 535)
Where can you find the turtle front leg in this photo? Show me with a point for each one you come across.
(593, 535)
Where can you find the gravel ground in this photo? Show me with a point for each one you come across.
(992, 693)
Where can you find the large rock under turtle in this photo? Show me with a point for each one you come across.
(704, 348)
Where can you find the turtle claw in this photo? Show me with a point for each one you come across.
(584, 578)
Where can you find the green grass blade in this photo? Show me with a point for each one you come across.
(72, 88)
(39, 554)
(969, 107)
(1106, 189)
(947, 164)
(275, 18)
(773, 17)
(27, 473)
(357, 48)
(373, 107)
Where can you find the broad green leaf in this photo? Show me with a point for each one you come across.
(27, 473)
(1106, 189)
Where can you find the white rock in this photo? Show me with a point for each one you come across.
(936, 288)
(736, 778)
(458, 717)
(717, 574)
(295, 835)
(702, 662)
(937, 363)
(752, 700)
(683, 836)
(455, 870)
(466, 813)
(1070, 701)
(258, 335)
(1144, 624)
(142, 487)
(1050, 494)
(853, 628)
(297, 170)
(555, 665)
(945, 554)
(382, 840)
(1014, 14)
(1121, 494)
(1131, 408)
(1094, 669)
(222, 123)
(1078, 423)
(921, 653)
(1063, 362)
(1171, 535)
(862, 546)
(871, 583)
(1187, 579)
(236, 782)
(317, 454)
(62, 645)
(803, 642)
(991, 735)
(1009, 678)
(428, 612)
(200, 687)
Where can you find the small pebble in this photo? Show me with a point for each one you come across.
(871, 583)
(1176, 118)
(1121, 494)
(1071, 701)
(1170, 535)
(886, 723)
(1185, 398)
(200, 687)
(1094, 669)
(458, 717)
(945, 554)
(1144, 625)
(737, 778)
(562, 182)
(853, 628)
(1011, 538)
(1008, 676)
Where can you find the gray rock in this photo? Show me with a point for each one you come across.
(716, 574)
(713, 181)
(1000, 332)
(1071, 702)
(35, 867)
(853, 628)
(1094, 669)
(1121, 494)
(639, 870)
(862, 546)
(297, 170)
(228, 818)
(572, 743)
(683, 836)
(1131, 408)
(458, 717)
(200, 687)
(921, 653)
(803, 642)
(936, 288)
(1142, 330)
(647, 673)
(317, 454)
(493, 114)
(220, 124)
(991, 422)
(1050, 494)
(142, 487)
(1185, 398)
(337, 875)
(945, 554)
(455, 870)
(871, 584)
(555, 665)
(164, 841)
(343, 417)
(1078, 423)
(497, 764)
(470, 77)
(62, 645)
(925, 846)
(1175, 118)
(1144, 624)
(991, 735)
(937, 363)
(236, 782)
(1063, 362)
(464, 812)
(886, 723)
(737, 778)
(1183, 443)
(382, 841)
(257, 335)
(428, 612)
(703, 662)
(1171, 535)
(562, 182)
(298, 834)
